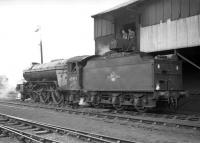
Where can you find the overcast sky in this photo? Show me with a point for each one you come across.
(66, 28)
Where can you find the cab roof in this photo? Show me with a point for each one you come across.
(78, 58)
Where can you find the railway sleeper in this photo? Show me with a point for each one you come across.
(20, 125)
(15, 124)
(37, 129)
(42, 132)
(26, 127)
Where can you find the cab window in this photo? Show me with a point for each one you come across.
(72, 67)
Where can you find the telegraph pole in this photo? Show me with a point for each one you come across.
(41, 50)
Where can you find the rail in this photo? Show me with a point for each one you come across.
(43, 128)
(179, 121)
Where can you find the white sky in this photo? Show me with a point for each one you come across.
(66, 27)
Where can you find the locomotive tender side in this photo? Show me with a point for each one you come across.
(126, 73)
(132, 80)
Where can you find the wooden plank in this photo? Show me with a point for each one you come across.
(147, 43)
(161, 41)
(185, 8)
(152, 14)
(182, 32)
(165, 38)
(150, 38)
(150, 46)
(144, 40)
(176, 11)
(99, 27)
(117, 30)
(194, 7)
(145, 15)
(159, 11)
(171, 35)
(95, 28)
(112, 28)
(193, 31)
(108, 27)
(167, 9)
(97, 23)
(155, 38)
(103, 27)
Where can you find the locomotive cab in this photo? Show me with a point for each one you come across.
(73, 76)
(74, 79)
(75, 66)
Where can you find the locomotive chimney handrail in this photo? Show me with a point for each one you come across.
(187, 60)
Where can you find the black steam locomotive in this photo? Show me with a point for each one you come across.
(117, 79)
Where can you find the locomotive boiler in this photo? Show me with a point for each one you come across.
(121, 79)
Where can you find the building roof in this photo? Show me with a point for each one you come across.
(123, 5)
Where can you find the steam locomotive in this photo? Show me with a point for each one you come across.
(117, 79)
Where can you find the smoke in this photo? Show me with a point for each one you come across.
(6, 90)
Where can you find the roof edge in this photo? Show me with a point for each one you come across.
(119, 6)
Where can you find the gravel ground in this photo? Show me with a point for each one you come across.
(63, 139)
(139, 132)
(8, 140)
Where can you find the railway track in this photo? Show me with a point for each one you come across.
(31, 131)
(178, 121)
(23, 136)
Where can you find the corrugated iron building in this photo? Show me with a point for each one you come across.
(160, 25)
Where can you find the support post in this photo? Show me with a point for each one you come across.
(41, 52)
